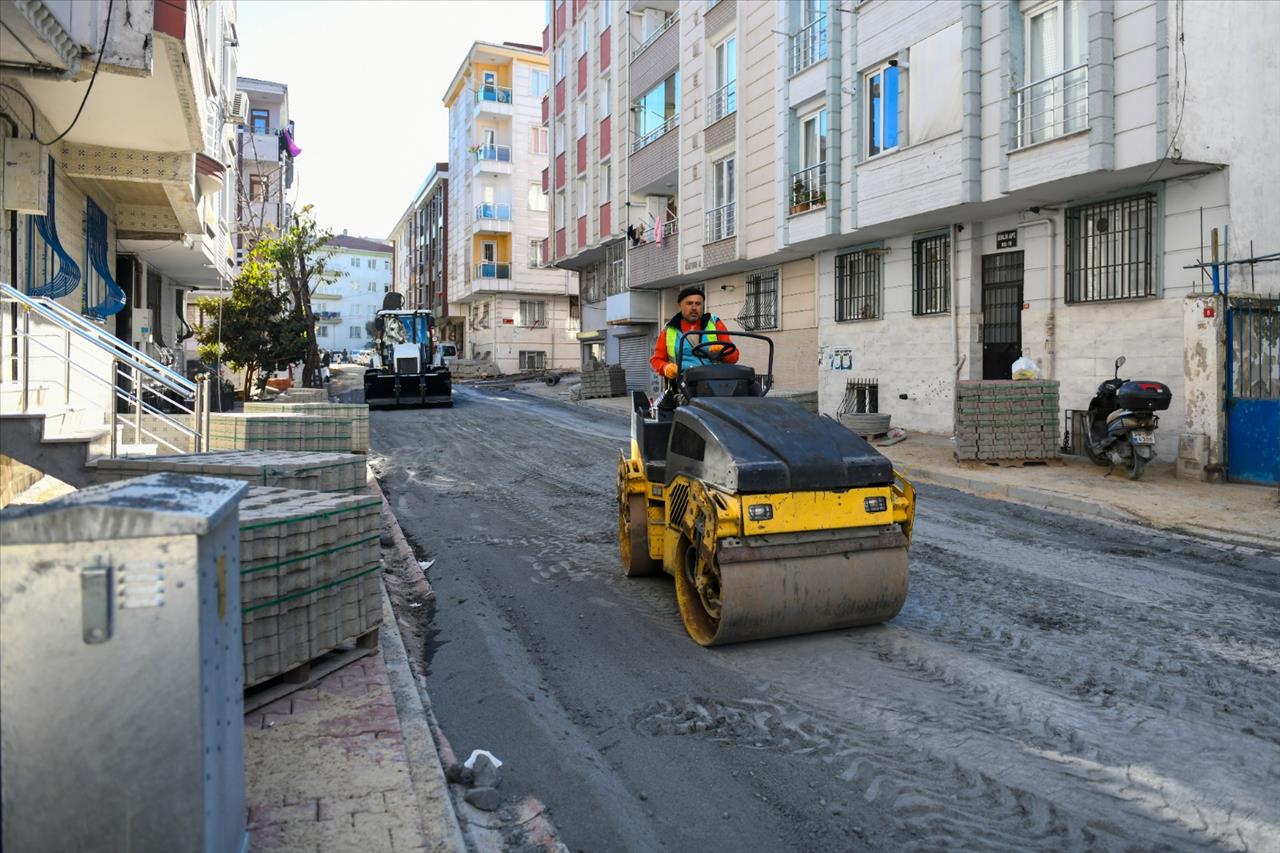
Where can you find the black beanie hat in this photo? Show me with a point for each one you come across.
(691, 290)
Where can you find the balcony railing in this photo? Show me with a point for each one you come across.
(1052, 107)
(722, 223)
(492, 269)
(489, 210)
(657, 132)
(328, 316)
(500, 153)
(670, 228)
(809, 188)
(493, 93)
(809, 45)
(656, 34)
(722, 102)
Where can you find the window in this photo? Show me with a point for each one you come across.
(560, 62)
(559, 211)
(489, 251)
(533, 312)
(809, 44)
(657, 111)
(604, 98)
(535, 253)
(539, 83)
(813, 140)
(1055, 99)
(322, 331)
(537, 198)
(386, 265)
(881, 87)
(858, 285)
(538, 139)
(257, 188)
(721, 222)
(260, 121)
(606, 182)
(1110, 249)
(373, 288)
(606, 14)
(559, 137)
(354, 332)
(355, 262)
(723, 100)
(931, 275)
(533, 360)
(584, 40)
(580, 193)
(580, 112)
(372, 263)
(760, 310)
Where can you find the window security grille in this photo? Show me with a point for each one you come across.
(931, 275)
(760, 310)
(858, 285)
(861, 397)
(533, 360)
(1110, 249)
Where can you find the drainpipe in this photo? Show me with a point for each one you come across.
(1050, 327)
(955, 299)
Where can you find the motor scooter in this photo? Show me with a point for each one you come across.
(1122, 422)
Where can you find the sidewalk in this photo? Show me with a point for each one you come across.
(1234, 512)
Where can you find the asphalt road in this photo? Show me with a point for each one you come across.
(1052, 683)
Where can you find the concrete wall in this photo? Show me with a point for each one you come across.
(504, 341)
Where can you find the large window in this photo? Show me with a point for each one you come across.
(560, 61)
(580, 195)
(721, 219)
(605, 189)
(931, 275)
(1111, 249)
(538, 139)
(604, 97)
(537, 198)
(1055, 97)
(533, 312)
(858, 285)
(760, 310)
(658, 110)
(724, 100)
(881, 108)
(533, 360)
(539, 83)
(535, 253)
(584, 40)
(809, 44)
(257, 188)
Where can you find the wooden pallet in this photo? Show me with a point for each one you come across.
(1011, 463)
(308, 674)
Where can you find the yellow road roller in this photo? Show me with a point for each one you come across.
(772, 520)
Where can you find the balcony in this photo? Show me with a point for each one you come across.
(722, 102)
(809, 189)
(329, 318)
(655, 159)
(722, 223)
(494, 99)
(809, 45)
(262, 147)
(1052, 107)
(656, 57)
(492, 270)
(492, 218)
(649, 263)
(653, 37)
(494, 159)
(657, 133)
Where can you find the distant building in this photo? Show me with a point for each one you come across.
(264, 167)
(421, 241)
(345, 306)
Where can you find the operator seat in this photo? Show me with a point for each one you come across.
(722, 380)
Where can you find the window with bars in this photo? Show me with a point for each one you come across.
(760, 310)
(533, 360)
(858, 285)
(931, 275)
(1110, 249)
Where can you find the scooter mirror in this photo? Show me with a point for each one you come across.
(1119, 364)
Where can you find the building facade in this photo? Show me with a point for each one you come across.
(346, 305)
(264, 164)
(421, 243)
(519, 313)
(132, 212)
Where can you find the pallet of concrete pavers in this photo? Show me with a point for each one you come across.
(319, 472)
(356, 413)
(278, 431)
(608, 381)
(305, 395)
(310, 576)
(1006, 421)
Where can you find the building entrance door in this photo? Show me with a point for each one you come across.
(1001, 314)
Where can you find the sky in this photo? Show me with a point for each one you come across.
(366, 81)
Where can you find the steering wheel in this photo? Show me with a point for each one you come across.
(703, 350)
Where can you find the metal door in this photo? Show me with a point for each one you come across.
(1001, 314)
(633, 355)
(1253, 389)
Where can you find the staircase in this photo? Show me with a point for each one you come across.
(71, 393)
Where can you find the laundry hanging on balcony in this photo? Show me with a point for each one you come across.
(287, 144)
(68, 277)
(95, 235)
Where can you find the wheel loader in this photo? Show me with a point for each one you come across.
(771, 519)
(403, 370)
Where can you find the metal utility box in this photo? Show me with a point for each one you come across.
(24, 180)
(142, 329)
(121, 670)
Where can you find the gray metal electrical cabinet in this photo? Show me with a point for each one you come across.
(121, 678)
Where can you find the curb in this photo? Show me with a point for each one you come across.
(442, 830)
(1020, 494)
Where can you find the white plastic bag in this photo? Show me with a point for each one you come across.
(1025, 368)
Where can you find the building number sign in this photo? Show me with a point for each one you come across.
(1007, 239)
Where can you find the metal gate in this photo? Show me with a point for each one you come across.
(633, 355)
(1253, 389)
(1001, 314)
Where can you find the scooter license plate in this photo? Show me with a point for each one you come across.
(1142, 438)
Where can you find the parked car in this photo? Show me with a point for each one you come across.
(445, 354)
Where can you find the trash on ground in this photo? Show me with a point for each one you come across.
(470, 763)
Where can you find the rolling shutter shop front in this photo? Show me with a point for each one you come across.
(633, 355)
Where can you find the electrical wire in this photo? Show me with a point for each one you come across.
(106, 31)
(26, 98)
(1173, 137)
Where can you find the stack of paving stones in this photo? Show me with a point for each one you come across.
(305, 395)
(610, 381)
(320, 472)
(309, 576)
(1007, 420)
(355, 413)
(278, 431)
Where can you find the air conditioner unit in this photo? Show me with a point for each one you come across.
(239, 108)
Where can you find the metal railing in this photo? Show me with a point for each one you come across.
(132, 375)
(493, 93)
(328, 316)
(809, 188)
(499, 153)
(722, 102)
(656, 34)
(655, 134)
(1052, 107)
(493, 269)
(490, 210)
(722, 223)
(670, 228)
(809, 45)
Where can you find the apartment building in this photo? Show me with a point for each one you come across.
(420, 240)
(123, 210)
(518, 312)
(264, 162)
(346, 305)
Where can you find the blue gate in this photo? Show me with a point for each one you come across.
(1253, 389)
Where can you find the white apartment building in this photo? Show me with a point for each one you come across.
(346, 306)
(519, 313)
(264, 166)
